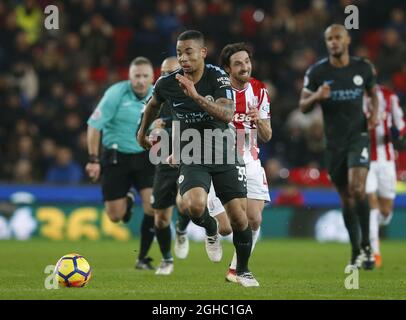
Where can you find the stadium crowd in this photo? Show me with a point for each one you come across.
(50, 80)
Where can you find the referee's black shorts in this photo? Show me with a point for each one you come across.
(130, 170)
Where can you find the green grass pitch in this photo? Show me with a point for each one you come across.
(286, 269)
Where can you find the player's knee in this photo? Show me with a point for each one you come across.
(180, 204)
(196, 205)
(358, 192)
(148, 210)
(114, 216)
(161, 222)
(255, 223)
(239, 222)
(196, 209)
(386, 212)
(225, 230)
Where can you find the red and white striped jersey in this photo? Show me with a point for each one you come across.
(390, 114)
(254, 95)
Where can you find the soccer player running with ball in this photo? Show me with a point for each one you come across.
(124, 162)
(202, 100)
(337, 84)
(381, 180)
(251, 121)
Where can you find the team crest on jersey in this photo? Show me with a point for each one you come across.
(210, 98)
(181, 178)
(253, 103)
(358, 80)
(96, 115)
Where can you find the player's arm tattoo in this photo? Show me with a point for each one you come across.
(222, 109)
(150, 114)
(264, 130)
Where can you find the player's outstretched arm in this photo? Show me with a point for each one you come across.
(308, 99)
(150, 114)
(222, 109)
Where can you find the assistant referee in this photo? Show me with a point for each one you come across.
(123, 162)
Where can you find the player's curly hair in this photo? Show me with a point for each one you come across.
(230, 49)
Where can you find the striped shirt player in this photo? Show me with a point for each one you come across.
(381, 180)
(255, 95)
(382, 173)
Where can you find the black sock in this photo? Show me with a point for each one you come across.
(183, 221)
(362, 207)
(207, 222)
(128, 212)
(147, 235)
(164, 240)
(242, 242)
(351, 222)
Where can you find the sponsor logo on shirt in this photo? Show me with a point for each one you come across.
(96, 115)
(174, 104)
(210, 98)
(345, 95)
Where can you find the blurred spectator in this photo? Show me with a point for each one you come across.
(315, 144)
(8, 35)
(50, 81)
(47, 157)
(25, 79)
(22, 172)
(166, 20)
(148, 42)
(398, 21)
(392, 53)
(65, 170)
(289, 196)
(29, 18)
(97, 38)
(74, 57)
(276, 175)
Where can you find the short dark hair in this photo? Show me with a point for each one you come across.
(191, 35)
(140, 61)
(230, 49)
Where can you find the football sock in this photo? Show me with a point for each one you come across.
(147, 235)
(255, 235)
(164, 240)
(183, 221)
(362, 208)
(352, 224)
(127, 215)
(374, 230)
(207, 222)
(384, 221)
(243, 243)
